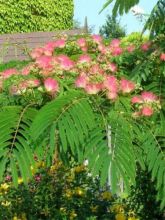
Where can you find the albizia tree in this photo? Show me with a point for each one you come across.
(85, 100)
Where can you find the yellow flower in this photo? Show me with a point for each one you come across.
(94, 208)
(20, 180)
(117, 208)
(40, 164)
(63, 210)
(4, 186)
(120, 216)
(73, 215)
(132, 218)
(79, 169)
(68, 193)
(79, 191)
(5, 203)
(106, 195)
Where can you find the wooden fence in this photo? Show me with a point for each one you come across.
(16, 46)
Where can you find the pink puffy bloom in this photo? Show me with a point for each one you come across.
(49, 48)
(93, 88)
(51, 85)
(84, 49)
(112, 95)
(65, 62)
(145, 46)
(33, 83)
(136, 99)
(97, 38)
(148, 97)
(102, 48)
(111, 84)
(117, 51)
(44, 62)
(37, 52)
(112, 67)
(130, 48)
(127, 86)
(147, 111)
(9, 72)
(84, 58)
(59, 43)
(95, 69)
(81, 42)
(81, 81)
(115, 43)
(162, 56)
(26, 70)
(14, 90)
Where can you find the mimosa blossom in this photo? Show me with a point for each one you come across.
(51, 85)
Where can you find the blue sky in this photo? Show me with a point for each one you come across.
(91, 8)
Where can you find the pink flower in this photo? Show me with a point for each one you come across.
(136, 99)
(130, 48)
(81, 81)
(9, 72)
(102, 48)
(33, 83)
(36, 53)
(147, 111)
(111, 84)
(84, 49)
(81, 42)
(84, 59)
(93, 88)
(127, 86)
(115, 43)
(112, 95)
(38, 177)
(112, 67)
(51, 85)
(162, 56)
(65, 62)
(97, 38)
(59, 43)
(116, 51)
(145, 46)
(26, 70)
(44, 62)
(148, 97)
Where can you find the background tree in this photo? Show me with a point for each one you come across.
(112, 28)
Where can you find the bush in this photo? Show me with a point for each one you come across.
(35, 15)
(59, 193)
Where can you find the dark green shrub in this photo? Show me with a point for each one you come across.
(35, 15)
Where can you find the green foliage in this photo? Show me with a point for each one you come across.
(156, 22)
(13, 64)
(112, 28)
(37, 15)
(142, 197)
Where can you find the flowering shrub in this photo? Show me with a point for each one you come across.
(86, 99)
(59, 192)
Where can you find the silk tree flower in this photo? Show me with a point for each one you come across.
(162, 56)
(147, 111)
(130, 48)
(32, 83)
(81, 42)
(112, 95)
(148, 96)
(59, 43)
(115, 43)
(136, 99)
(116, 51)
(111, 84)
(9, 72)
(145, 46)
(93, 89)
(51, 85)
(97, 38)
(44, 62)
(112, 67)
(81, 81)
(102, 48)
(37, 52)
(85, 58)
(65, 62)
(26, 70)
(96, 70)
(127, 86)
